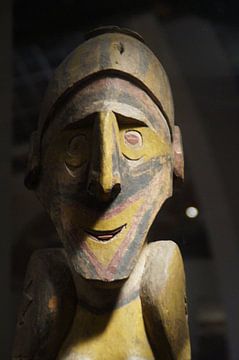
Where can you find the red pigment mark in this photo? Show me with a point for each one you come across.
(98, 267)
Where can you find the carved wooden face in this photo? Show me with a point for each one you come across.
(106, 170)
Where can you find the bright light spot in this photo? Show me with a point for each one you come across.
(191, 212)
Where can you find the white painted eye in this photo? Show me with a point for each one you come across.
(133, 139)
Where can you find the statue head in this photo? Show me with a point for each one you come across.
(103, 157)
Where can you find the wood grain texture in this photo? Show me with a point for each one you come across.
(164, 302)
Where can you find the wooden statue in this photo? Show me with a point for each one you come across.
(101, 163)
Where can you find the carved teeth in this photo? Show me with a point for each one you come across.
(104, 235)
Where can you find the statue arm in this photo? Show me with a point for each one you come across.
(47, 307)
(164, 302)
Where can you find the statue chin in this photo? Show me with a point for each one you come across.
(104, 278)
(85, 264)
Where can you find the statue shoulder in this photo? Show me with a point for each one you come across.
(47, 308)
(163, 300)
(52, 262)
(163, 260)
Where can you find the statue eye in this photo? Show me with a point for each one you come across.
(77, 150)
(133, 139)
(76, 145)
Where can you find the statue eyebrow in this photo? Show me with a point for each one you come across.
(88, 121)
(124, 120)
(81, 123)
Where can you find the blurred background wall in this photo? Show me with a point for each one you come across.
(197, 42)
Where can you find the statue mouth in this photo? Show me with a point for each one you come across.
(104, 235)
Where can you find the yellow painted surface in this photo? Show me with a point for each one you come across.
(104, 251)
(119, 335)
(153, 144)
(95, 151)
(108, 130)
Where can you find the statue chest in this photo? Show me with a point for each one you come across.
(118, 335)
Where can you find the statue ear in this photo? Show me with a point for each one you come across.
(178, 158)
(33, 165)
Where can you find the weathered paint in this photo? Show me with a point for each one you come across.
(113, 173)
(101, 163)
(164, 302)
(102, 54)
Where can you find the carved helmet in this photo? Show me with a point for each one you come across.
(107, 50)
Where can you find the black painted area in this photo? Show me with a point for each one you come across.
(213, 347)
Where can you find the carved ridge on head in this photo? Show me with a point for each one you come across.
(112, 29)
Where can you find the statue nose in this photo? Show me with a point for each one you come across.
(104, 181)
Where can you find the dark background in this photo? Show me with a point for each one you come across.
(197, 42)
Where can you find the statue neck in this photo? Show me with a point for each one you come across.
(100, 296)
